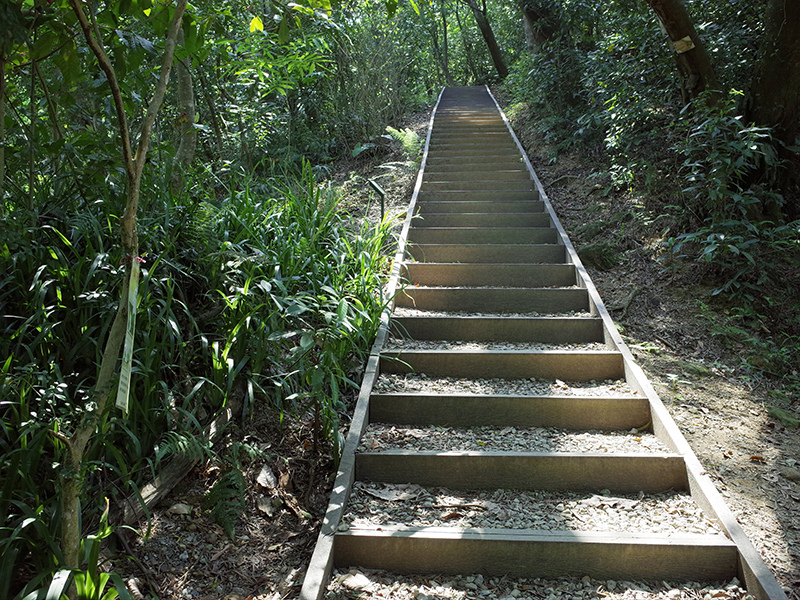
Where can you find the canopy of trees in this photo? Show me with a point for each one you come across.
(167, 250)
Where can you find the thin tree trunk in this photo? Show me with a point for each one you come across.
(694, 65)
(445, 51)
(488, 37)
(212, 111)
(2, 133)
(32, 139)
(774, 98)
(187, 134)
(134, 165)
(468, 54)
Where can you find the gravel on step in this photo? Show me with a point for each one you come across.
(421, 383)
(398, 343)
(506, 439)
(380, 504)
(368, 584)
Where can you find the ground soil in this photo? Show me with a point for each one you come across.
(722, 410)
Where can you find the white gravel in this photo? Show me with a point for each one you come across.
(421, 383)
(374, 585)
(506, 439)
(377, 504)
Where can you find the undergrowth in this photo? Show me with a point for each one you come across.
(262, 286)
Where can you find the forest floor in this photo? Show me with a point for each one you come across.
(721, 409)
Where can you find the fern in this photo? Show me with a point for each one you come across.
(226, 500)
(185, 445)
(412, 143)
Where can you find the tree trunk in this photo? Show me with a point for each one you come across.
(694, 65)
(212, 112)
(774, 98)
(2, 132)
(468, 54)
(134, 165)
(445, 50)
(187, 134)
(539, 29)
(488, 36)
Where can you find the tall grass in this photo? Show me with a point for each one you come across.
(270, 289)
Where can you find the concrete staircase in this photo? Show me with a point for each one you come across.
(484, 260)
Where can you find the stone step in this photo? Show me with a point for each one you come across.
(480, 206)
(487, 220)
(529, 553)
(566, 365)
(483, 235)
(487, 253)
(621, 413)
(551, 330)
(496, 275)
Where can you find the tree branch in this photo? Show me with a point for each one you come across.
(105, 65)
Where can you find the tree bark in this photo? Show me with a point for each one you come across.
(445, 50)
(187, 134)
(774, 97)
(488, 37)
(2, 131)
(468, 55)
(539, 29)
(694, 65)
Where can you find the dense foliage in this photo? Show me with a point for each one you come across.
(260, 288)
(715, 189)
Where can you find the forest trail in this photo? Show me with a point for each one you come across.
(502, 427)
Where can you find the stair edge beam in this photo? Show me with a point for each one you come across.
(579, 472)
(622, 556)
(567, 366)
(563, 412)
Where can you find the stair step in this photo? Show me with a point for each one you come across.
(580, 472)
(530, 553)
(475, 166)
(469, 274)
(471, 410)
(506, 364)
(478, 186)
(480, 206)
(477, 196)
(438, 160)
(487, 253)
(499, 300)
(553, 330)
(453, 176)
(489, 220)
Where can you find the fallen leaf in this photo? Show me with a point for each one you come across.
(266, 478)
(610, 501)
(757, 458)
(179, 509)
(451, 515)
(356, 582)
(395, 494)
(265, 505)
(790, 473)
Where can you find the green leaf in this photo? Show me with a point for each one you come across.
(391, 7)
(256, 24)
(283, 32)
(43, 45)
